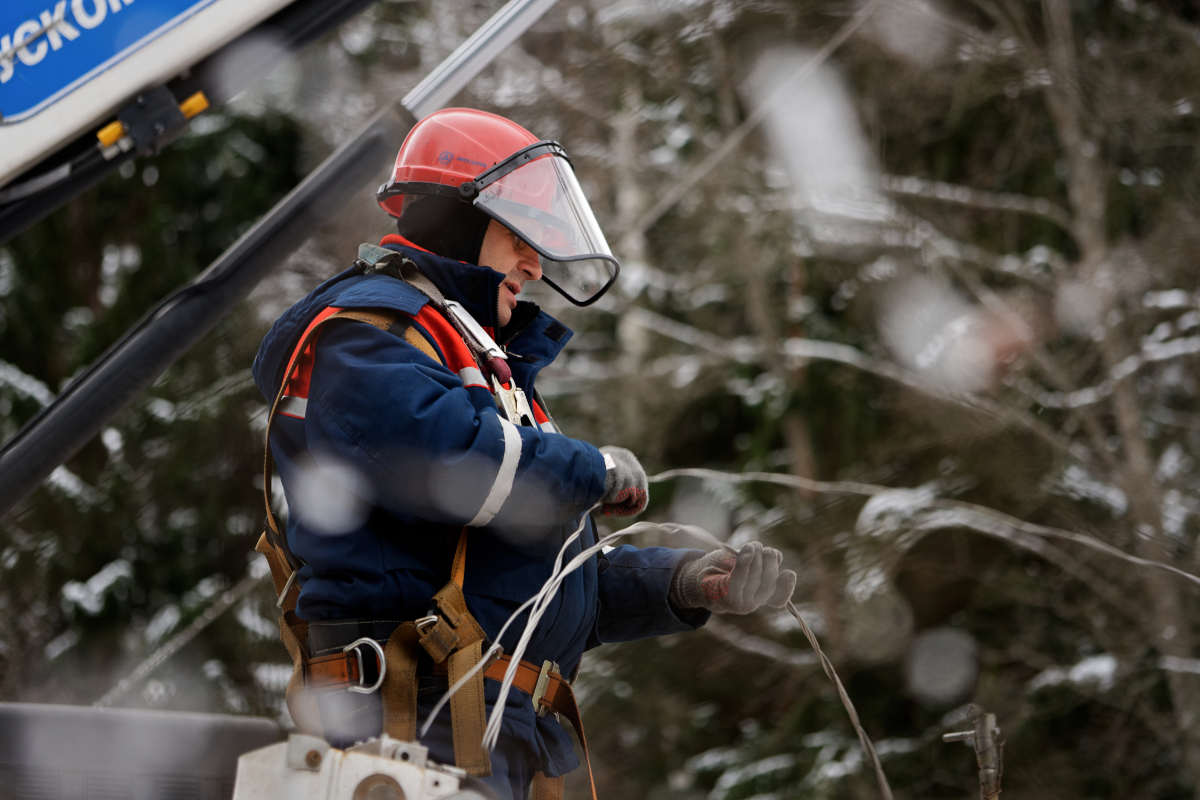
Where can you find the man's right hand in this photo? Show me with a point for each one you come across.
(625, 487)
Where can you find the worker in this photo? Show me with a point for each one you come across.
(429, 489)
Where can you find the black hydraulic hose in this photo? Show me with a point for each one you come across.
(87, 170)
(177, 323)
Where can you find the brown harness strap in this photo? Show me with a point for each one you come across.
(457, 639)
(458, 567)
(454, 628)
(418, 341)
(468, 712)
(293, 630)
(557, 697)
(301, 704)
(399, 690)
(547, 788)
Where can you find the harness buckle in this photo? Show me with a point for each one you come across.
(543, 683)
(374, 645)
(425, 622)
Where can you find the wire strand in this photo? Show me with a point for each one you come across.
(496, 647)
(885, 788)
(540, 602)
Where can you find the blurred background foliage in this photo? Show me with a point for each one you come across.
(955, 264)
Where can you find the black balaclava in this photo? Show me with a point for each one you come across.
(446, 226)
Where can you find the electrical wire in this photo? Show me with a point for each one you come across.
(870, 490)
(549, 589)
(496, 648)
(540, 602)
(885, 788)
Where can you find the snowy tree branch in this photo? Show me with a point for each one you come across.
(748, 350)
(976, 517)
(911, 186)
(758, 645)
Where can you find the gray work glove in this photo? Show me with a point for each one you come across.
(625, 487)
(734, 584)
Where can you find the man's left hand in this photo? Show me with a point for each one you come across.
(734, 583)
(625, 487)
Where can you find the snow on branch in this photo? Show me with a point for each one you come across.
(957, 513)
(749, 349)
(1150, 353)
(912, 186)
(25, 385)
(743, 349)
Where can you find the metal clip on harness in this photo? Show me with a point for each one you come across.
(374, 645)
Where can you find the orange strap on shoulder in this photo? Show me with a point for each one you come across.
(379, 319)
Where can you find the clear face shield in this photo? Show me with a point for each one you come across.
(534, 193)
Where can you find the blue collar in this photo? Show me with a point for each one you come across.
(476, 288)
(533, 337)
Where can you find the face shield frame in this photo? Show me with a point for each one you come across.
(471, 191)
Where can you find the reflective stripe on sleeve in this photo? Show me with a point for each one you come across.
(504, 477)
(472, 377)
(293, 406)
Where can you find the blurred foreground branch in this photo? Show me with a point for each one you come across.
(177, 642)
(684, 185)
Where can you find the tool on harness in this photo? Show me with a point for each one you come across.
(450, 635)
(490, 348)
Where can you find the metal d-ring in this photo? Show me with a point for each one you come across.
(360, 689)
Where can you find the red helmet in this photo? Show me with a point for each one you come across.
(527, 185)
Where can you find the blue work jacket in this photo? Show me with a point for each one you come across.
(426, 449)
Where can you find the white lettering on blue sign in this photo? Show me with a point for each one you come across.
(48, 48)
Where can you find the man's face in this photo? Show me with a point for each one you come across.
(506, 252)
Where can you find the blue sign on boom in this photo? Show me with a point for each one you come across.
(49, 48)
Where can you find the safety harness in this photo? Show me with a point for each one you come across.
(450, 635)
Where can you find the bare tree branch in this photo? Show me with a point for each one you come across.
(758, 646)
(680, 188)
(911, 186)
(748, 350)
(984, 519)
